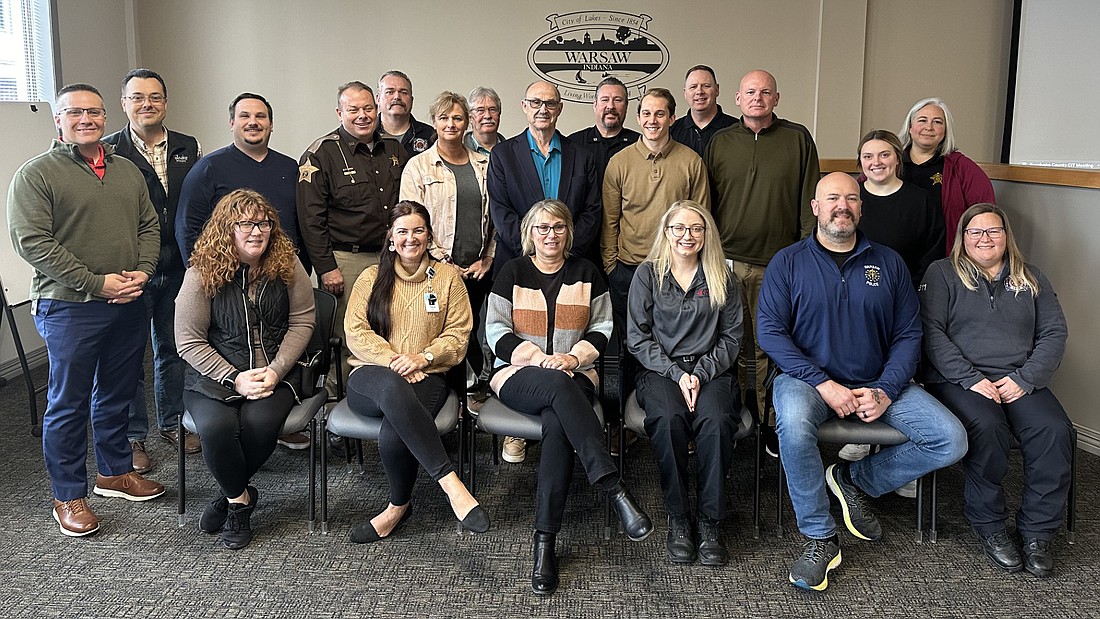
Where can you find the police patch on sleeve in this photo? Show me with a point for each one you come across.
(306, 170)
(420, 145)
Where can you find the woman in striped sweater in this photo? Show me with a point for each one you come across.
(548, 320)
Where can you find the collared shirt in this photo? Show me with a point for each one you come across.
(638, 188)
(686, 132)
(471, 143)
(548, 166)
(155, 154)
(603, 149)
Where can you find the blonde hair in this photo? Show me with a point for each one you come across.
(1019, 276)
(551, 209)
(715, 271)
(215, 257)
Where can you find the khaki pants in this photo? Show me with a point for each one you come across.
(351, 265)
(751, 276)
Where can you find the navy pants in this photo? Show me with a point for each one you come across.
(96, 352)
(1040, 424)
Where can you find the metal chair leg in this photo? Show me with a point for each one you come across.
(181, 473)
(918, 537)
(1071, 511)
(934, 505)
(323, 437)
(756, 484)
(312, 509)
(779, 490)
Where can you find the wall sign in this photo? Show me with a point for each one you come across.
(583, 48)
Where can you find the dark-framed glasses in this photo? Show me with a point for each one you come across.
(995, 232)
(678, 230)
(155, 98)
(551, 104)
(246, 227)
(544, 229)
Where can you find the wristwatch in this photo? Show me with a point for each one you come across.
(429, 357)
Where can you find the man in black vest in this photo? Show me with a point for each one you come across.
(164, 158)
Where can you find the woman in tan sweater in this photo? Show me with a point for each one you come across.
(408, 322)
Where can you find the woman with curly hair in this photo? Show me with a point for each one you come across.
(243, 318)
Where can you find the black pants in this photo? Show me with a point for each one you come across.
(238, 437)
(670, 426)
(478, 290)
(568, 423)
(618, 283)
(408, 435)
(1040, 424)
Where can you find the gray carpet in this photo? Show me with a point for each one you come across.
(141, 564)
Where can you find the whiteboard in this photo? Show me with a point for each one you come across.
(1054, 118)
(28, 130)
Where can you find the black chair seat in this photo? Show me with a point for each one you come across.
(497, 418)
(342, 421)
(851, 430)
(634, 419)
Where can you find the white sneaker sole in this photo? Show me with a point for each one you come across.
(67, 532)
(116, 494)
(512, 459)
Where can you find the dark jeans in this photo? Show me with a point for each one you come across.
(1040, 424)
(238, 436)
(408, 435)
(670, 426)
(568, 424)
(160, 302)
(95, 351)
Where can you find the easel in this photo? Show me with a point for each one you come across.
(32, 391)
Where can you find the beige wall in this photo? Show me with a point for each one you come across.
(956, 50)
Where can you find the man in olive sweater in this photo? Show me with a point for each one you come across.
(81, 216)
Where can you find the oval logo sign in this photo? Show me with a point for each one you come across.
(585, 47)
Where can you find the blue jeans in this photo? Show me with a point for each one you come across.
(95, 352)
(160, 302)
(936, 440)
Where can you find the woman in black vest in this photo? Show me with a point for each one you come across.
(243, 318)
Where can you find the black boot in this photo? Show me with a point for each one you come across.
(636, 523)
(544, 576)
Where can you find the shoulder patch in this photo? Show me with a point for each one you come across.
(306, 170)
(321, 140)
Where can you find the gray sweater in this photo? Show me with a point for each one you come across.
(74, 228)
(992, 332)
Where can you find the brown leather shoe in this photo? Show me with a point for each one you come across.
(131, 486)
(191, 443)
(74, 517)
(142, 463)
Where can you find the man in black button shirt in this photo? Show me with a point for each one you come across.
(395, 102)
(608, 136)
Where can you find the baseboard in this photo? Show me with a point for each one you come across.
(1088, 439)
(12, 371)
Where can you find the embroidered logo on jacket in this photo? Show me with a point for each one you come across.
(873, 274)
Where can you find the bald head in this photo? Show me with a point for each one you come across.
(542, 106)
(838, 209)
(757, 96)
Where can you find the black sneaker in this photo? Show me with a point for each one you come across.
(711, 550)
(681, 540)
(237, 530)
(213, 515)
(811, 570)
(858, 517)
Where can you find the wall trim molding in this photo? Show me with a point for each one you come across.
(12, 371)
(1088, 439)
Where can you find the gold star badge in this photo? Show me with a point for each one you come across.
(305, 172)
(395, 160)
(937, 179)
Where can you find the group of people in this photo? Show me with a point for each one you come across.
(703, 246)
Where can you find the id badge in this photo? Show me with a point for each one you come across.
(431, 303)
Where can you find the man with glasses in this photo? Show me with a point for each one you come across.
(81, 216)
(484, 131)
(541, 164)
(164, 158)
(348, 180)
(839, 316)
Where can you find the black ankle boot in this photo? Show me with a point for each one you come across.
(544, 576)
(636, 523)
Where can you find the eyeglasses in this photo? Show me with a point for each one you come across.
(485, 110)
(77, 112)
(977, 233)
(247, 227)
(678, 230)
(544, 229)
(155, 98)
(551, 104)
